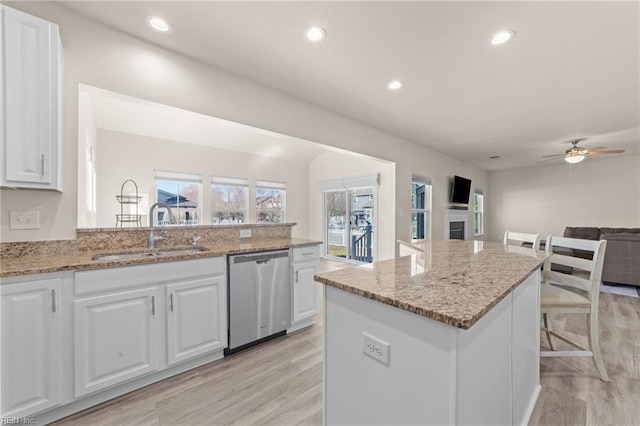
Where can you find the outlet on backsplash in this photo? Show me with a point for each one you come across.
(24, 219)
(245, 233)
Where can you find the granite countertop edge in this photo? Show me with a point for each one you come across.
(464, 323)
(83, 260)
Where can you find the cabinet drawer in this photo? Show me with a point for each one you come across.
(301, 254)
(125, 277)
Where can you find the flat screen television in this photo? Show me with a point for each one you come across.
(460, 190)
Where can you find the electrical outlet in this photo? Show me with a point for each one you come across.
(24, 219)
(375, 348)
(245, 233)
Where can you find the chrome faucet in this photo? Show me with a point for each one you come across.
(152, 238)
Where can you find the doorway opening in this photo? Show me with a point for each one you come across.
(350, 224)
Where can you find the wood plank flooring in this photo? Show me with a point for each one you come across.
(280, 382)
(572, 392)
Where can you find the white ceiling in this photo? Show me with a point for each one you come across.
(571, 71)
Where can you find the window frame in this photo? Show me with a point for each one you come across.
(417, 179)
(478, 212)
(229, 183)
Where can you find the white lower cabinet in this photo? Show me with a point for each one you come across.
(135, 320)
(31, 345)
(196, 318)
(305, 293)
(115, 338)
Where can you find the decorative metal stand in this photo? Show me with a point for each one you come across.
(128, 200)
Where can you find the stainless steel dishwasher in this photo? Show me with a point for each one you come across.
(259, 298)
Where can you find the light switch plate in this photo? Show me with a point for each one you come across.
(245, 233)
(375, 348)
(24, 219)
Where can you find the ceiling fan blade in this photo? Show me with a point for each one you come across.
(549, 159)
(609, 151)
(556, 155)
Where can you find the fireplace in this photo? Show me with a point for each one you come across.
(456, 224)
(456, 230)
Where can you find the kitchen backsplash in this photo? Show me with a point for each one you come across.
(112, 239)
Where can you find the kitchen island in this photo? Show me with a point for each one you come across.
(448, 334)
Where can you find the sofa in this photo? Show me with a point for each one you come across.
(622, 256)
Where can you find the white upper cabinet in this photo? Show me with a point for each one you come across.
(32, 86)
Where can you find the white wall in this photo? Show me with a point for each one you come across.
(100, 56)
(335, 165)
(123, 156)
(602, 192)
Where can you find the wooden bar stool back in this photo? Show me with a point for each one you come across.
(577, 292)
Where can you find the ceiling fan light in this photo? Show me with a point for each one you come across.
(573, 159)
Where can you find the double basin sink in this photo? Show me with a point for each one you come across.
(148, 254)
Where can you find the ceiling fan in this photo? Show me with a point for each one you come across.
(576, 153)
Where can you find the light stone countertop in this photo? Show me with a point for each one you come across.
(452, 281)
(59, 260)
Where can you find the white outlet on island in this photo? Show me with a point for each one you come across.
(24, 219)
(375, 348)
(245, 233)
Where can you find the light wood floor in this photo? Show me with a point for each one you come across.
(280, 382)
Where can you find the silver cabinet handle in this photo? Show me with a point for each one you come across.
(297, 276)
(42, 165)
(171, 302)
(307, 254)
(153, 305)
(53, 300)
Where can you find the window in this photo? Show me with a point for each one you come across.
(270, 202)
(420, 208)
(229, 200)
(182, 192)
(478, 212)
(350, 217)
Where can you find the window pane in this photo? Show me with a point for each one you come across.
(268, 199)
(418, 195)
(417, 226)
(336, 206)
(183, 198)
(270, 205)
(228, 204)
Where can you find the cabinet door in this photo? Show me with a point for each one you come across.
(115, 339)
(32, 112)
(31, 344)
(305, 296)
(196, 319)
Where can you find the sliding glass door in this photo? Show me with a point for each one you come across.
(350, 224)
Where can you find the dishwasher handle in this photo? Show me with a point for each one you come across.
(259, 257)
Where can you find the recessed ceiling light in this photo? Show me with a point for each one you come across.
(316, 33)
(395, 85)
(503, 37)
(159, 24)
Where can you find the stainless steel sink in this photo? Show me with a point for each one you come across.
(123, 256)
(154, 253)
(177, 252)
